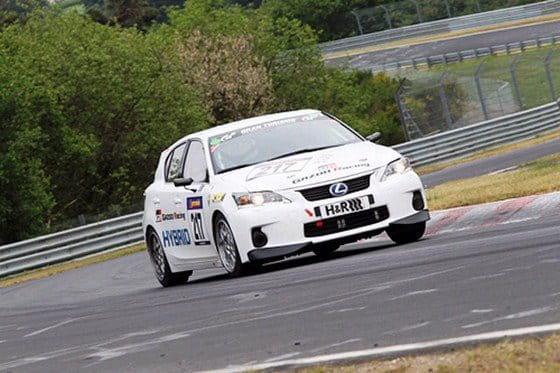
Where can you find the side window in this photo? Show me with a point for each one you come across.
(173, 166)
(195, 164)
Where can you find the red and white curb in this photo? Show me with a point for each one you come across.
(494, 213)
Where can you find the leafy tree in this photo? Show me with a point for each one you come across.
(85, 115)
(16, 10)
(127, 13)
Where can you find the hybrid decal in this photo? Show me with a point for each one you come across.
(176, 238)
(276, 168)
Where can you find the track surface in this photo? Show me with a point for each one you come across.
(112, 316)
(439, 47)
(491, 164)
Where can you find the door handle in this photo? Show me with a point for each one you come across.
(178, 201)
(155, 201)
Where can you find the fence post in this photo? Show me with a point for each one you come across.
(387, 15)
(360, 29)
(401, 109)
(448, 8)
(479, 91)
(444, 103)
(549, 75)
(418, 12)
(478, 6)
(512, 68)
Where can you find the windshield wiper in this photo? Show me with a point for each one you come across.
(301, 151)
(237, 167)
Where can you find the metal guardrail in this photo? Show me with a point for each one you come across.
(471, 139)
(469, 54)
(71, 244)
(127, 230)
(491, 18)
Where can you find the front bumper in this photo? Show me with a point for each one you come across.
(288, 227)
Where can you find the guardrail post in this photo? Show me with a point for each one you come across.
(360, 29)
(549, 75)
(479, 91)
(401, 109)
(444, 103)
(512, 68)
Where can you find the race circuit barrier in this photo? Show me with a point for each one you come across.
(74, 243)
(476, 137)
(444, 59)
(444, 26)
(126, 230)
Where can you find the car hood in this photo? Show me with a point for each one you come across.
(313, 168)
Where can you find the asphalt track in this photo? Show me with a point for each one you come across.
(492, 164)
(112, 316)
(438, 47)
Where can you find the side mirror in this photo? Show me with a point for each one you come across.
(183, 182)
(374, 137)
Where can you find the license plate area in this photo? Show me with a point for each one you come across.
(344, 207)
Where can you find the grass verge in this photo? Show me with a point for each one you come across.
(528, 355)
(66, 266)
(452, 35)
(537, 177)
(539, 139)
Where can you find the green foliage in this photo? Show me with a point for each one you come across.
(92, 107)
(126, 13)
(16, 10)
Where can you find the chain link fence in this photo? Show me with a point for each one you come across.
(410, 12)
(466, 93)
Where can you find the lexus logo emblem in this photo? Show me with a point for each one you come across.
(338, 190)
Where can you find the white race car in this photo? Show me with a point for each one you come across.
(266, 188)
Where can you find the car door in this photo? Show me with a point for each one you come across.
(194, 198)
(170, 216)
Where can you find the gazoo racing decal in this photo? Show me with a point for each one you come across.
(176, 238)
(327, 169)
(276, 168)
(161, 217)
(194, 203)
(216, 141)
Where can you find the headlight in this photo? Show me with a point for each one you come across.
(400, 166)
(258, 198)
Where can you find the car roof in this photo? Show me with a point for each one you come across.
(223, 128)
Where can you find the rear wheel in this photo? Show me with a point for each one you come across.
(161, 266)
(402, 234)
(227, 248)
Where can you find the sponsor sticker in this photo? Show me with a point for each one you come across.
(161, 217)
(218, 197)
(176, 238)
(327, 169)
(194, 203)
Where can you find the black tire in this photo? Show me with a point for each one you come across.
(325, 251)
(160, 264)
(402, 234)
(227, 247)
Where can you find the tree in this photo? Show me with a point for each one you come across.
(127, 13)
(16, 10)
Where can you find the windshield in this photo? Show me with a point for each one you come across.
(272, 140)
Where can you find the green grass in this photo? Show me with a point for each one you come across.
(530, 72)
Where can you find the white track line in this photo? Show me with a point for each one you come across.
(397, 349)
(49, 328)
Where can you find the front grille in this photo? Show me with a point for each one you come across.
(346, 222)
(322, 192)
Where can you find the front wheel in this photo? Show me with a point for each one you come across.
(161, 266)
(227, 248)
(402, 234)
